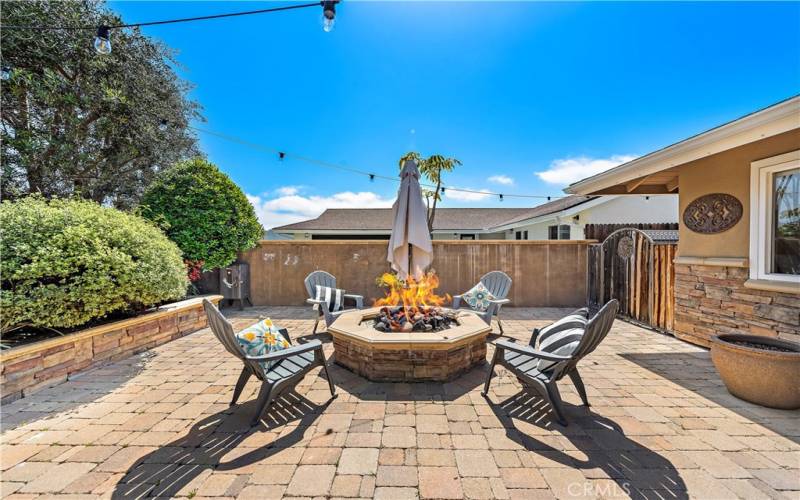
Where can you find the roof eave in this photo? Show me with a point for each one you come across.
(776, 119)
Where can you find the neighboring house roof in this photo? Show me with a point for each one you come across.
(447, 219)
(549, 208)
(380, 219)
(648, 174)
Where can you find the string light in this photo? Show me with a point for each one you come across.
(281, 155)
(372, 177)
(329, 15)
(102, 42)
(333, 166)
(501, 197)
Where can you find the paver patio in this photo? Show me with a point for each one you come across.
(158, 424)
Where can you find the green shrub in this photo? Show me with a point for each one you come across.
(66, 262)
(203, 211)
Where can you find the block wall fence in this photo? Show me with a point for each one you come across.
(545, 273)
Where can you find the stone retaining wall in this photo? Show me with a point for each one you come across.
(28, 368)
(710, 300)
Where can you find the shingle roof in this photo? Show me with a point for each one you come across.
(380, 219)
(548, 208)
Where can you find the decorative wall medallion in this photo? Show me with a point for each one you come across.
(625, 247)
(712, 213)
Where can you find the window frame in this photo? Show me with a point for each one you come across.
(761, 205)
(567, 228)
(550, 232)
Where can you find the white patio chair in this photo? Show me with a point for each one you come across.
(326, 279)
(499, 284)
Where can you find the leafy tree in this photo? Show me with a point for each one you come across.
(432, 168)
(203, 211)
(76, 122)
(67, 262)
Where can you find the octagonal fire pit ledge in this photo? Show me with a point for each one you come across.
(761, 370)
(408, 356)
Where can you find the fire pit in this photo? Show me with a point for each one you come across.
(409, 337)
(408, 356)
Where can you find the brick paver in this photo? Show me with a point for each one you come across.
(159, 424)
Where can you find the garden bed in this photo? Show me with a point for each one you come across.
(30, 367)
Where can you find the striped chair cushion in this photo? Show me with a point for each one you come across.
(334, 297)
(562, 337)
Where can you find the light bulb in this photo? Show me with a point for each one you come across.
(102, 42)
(5, 73)
(328, 15)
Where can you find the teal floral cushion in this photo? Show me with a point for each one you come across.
(262, 338)
(478, 297)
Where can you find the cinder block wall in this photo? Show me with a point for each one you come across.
(545, 273)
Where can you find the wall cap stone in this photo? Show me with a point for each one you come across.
(773, 286)
(161, 311)
(713, 261)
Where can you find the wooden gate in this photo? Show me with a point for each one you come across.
(635, 267)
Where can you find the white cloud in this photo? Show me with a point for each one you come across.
(292, 208)
(288, 190)
(568, 170)
(502, 179)
(465, 196)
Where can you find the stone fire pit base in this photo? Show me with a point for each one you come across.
(408, 357)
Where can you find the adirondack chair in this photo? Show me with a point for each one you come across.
(542, 368)
(293, 363)
(326, 279)
(499, 284)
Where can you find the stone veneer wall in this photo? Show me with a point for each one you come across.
(28, 368)
(710, 300)
(412, 364)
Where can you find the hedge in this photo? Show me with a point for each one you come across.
(67, 262)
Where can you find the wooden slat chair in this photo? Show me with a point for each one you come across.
(323, 278)
(499, 284)
(292, 363)
(561, 346)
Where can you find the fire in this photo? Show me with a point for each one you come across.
(419, 294)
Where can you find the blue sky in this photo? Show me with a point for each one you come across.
(528, 96)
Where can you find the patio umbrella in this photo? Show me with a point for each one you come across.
(410, 248)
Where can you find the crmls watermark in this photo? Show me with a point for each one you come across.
(604, 489)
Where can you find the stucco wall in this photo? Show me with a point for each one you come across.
(544, 273)
(726, 172)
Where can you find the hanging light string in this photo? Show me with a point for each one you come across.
(168, 21)
(102, 42)
(371, 175)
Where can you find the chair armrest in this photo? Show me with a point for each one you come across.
(500, 301)
(528, 351)
(315, 301)
(359, 299)
(311, 345)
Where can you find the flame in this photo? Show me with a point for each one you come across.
(411, 293)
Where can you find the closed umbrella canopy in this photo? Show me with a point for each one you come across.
(410, 248)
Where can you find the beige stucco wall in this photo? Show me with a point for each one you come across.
(726, 172)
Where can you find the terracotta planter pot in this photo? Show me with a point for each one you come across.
(764, 377)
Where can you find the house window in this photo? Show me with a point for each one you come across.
(522, 235)
(467, 236)
(560, 232)
(775, 218)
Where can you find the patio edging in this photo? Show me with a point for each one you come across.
(31, 367)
